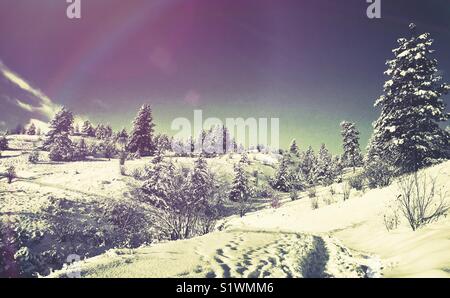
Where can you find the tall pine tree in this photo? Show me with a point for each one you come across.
(200, 183)
(31, 130)
(60, 125)
(323, 172)
(240, 189)
(141, 139)
(307, 165)
(407, 130)
(350, 142)
(282, 180)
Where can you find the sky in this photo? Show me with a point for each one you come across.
(310, 63)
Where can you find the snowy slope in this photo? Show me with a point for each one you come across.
(349, 240)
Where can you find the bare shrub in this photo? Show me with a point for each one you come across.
(420, 201)
(311, 192)
(131, 223)
(276, 202)
(294, 195)
(391, 217)
(314, 203)
(332, 190)
(391, 221)
(346, 190)
(328, 200)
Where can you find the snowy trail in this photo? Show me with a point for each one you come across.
(231, 254)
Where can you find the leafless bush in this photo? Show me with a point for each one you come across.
(276, 203)
(391, 218)
(391, 221)
(328, 200)
(332, 190)
(346, 190)
(311, 192)
(294, 195)
(420, 201)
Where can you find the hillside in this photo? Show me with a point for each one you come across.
(342, 239)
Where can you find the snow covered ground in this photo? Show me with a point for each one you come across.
(342, 239)
(339, 239)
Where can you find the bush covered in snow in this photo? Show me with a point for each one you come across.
(378, 173)
(34, 157)
(61, 148)
(72, 227)
(3, 143)
(185, 202)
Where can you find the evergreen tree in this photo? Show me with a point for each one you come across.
(323, 172)
(200, 183)
(159, 183)
(350, 142)
(108, 131)
(141, 139)
(293, 148)
(61, 148)
(282, 180)
(101, 132)
(81, 150)
(307, 165)
(407, 130)
(336, 166)
(31, 131)
(3, 143)
(240, 190)
(87, 129)
(61, 125)
(244, 158)
(162, 143)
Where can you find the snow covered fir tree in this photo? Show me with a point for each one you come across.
(57, 139)
(141, 138)
(350, 141)
(407, 133)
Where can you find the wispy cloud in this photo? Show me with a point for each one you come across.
(45, 106)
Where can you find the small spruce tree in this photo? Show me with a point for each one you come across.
(141, 139)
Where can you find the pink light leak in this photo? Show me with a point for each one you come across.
(162, 59)
(192, 97)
